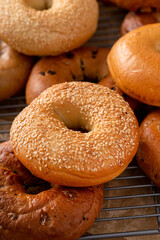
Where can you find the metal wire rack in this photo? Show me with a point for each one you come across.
(131, 204)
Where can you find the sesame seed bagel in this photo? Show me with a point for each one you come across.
(54, 213)
(134, 20)
(83, 64)
(47, 27)
(76, 134)
(133, 64)
(148, 154)
(14, 71)
(135, 5)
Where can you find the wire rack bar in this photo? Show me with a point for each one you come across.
(18, 98)
(4, 131)
(126, 217)
(131, 207)
(128, 187)
(120, 234)
(132, 196)
(9, 114)
(3, 140)
(157, 207)
(13, 106)
(130, 177)
(6, 123)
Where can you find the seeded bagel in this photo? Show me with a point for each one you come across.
(76, 134)
(47, 27)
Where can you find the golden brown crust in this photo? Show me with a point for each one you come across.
(14, 71)
(83, 64)
(148, 155)
(108, 82)
(64, 26)
(144, 5)
(133, 61)
(49, 147)
(58, 213)
(134, 20)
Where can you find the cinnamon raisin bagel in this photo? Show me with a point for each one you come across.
(134, 20)
(57, 213)
(76, 134)
(47, 27)
(148, 154)
(83, 64)
(133, 63)
(14, 71)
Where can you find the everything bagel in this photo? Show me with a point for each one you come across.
(57, 213)
(47, 27)
(76, 134)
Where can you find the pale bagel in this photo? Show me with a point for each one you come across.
(47, 27)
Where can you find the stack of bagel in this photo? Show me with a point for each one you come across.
(81, 126)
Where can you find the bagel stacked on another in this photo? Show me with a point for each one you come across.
(48, 138)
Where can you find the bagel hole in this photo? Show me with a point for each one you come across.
(79, 129)
(39, 4)
(73, 119)
(38, 187)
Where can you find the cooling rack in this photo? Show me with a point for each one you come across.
(131, 205)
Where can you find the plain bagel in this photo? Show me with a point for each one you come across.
(52, 213)
(148, 154)
(134, 20)
(14, 71)
(134, 64)
(76, 134)
(47, 27)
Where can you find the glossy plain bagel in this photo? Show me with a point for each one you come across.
(14, 71)
(144, 5)
(134, 20)
(148, 155)
(83, 64)
(134, 64)
(57, 213)
(76, 134)
(47, 27)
